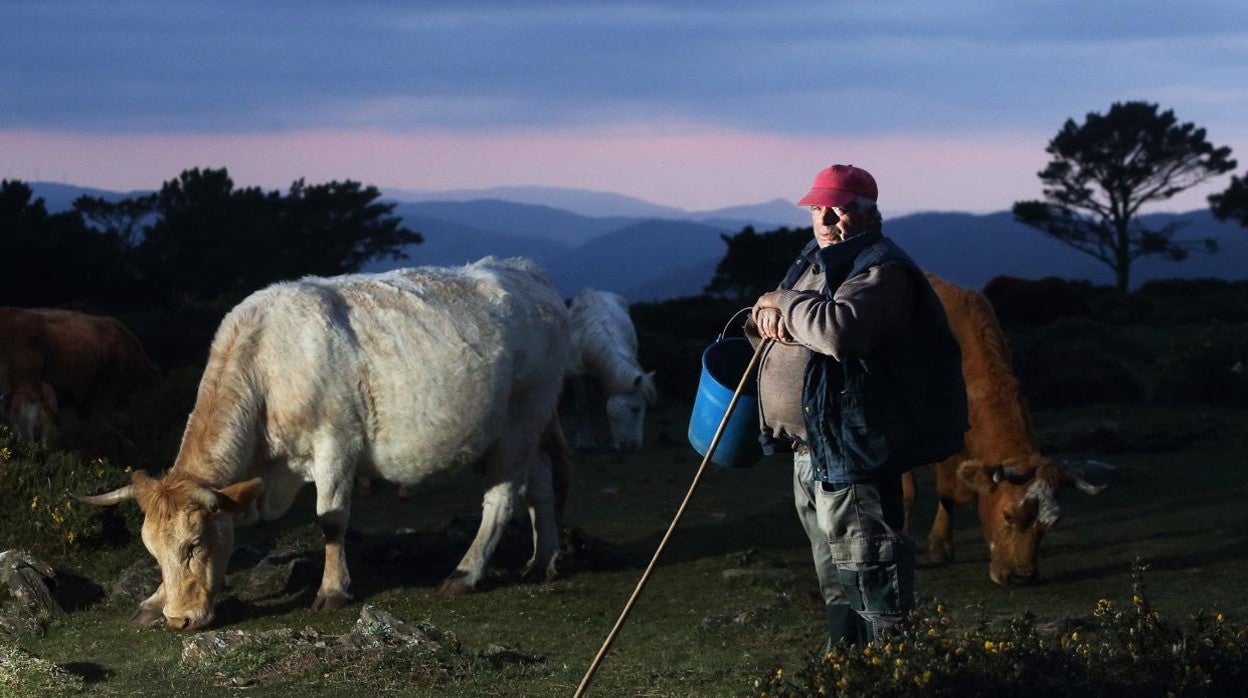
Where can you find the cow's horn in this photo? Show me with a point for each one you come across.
(1009, 472)
(108, 498)
(1083, 485)
(206, 498)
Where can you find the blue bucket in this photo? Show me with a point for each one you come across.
(723, 364)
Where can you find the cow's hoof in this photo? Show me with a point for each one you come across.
(456, 585)
(147, 616)
(940, 553)
(331, 601)
(534, 572)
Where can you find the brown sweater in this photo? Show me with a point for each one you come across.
(861, 312)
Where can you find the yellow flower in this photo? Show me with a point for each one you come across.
(34, 503)
(1219, 618)
(1075, 636)
(876, 661)
(1137, 599)
(70, 536)
(940, 608)
(989, 646)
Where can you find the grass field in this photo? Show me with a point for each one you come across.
(734, 595)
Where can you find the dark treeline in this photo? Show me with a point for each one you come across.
(198, 240)
(172, 263)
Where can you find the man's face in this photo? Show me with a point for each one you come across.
(835, 223)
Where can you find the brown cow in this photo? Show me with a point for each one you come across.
(1000, 467)
(90, 361)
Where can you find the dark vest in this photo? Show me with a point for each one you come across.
(901, 406)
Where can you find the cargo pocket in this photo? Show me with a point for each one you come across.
(876, 589)
(874, 561)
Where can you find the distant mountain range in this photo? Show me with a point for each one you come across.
(649, 252)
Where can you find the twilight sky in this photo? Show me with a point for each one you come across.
(688, 103)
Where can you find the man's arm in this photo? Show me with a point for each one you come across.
(861, 312)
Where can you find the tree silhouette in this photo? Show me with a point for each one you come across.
(1232, 203)
(755, 263)
(52, 259)
(211, 241)
(1106, 168)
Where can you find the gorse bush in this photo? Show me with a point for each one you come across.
(1075, 362)
(1209, 366)
(36, 512)
(1125, 650)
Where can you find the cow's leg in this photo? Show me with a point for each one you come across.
(940, 540)
(540, 496)
(907, 498)
(152, 609)
(502, 486)
(333, 507)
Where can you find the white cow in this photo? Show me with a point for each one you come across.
(398, 375)
(604, 351)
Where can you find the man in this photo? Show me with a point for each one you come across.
(863, 381)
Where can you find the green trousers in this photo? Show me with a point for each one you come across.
(865, 563)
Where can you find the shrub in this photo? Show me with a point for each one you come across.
(1195, 300)
(36, 512)
(1209, 366)
(1128, 650)
(1076, 362)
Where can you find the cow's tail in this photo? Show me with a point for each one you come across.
(555, 446)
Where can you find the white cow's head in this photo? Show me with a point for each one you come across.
(189, 529)
(626, 413)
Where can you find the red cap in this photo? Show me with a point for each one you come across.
(838, 185)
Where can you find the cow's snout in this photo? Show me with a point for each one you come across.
(186, 622)
(178, 623)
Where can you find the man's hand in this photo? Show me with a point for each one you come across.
(767, 318)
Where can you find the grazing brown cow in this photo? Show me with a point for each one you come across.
(90, 361)
(1000, 467)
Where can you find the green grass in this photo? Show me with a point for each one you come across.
(695, 632)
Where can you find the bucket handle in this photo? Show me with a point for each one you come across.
(729, 324)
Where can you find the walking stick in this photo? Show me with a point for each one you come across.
(628, 607)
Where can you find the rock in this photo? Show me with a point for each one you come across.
(377, 628)
(208, 647)
(28, 606)
(136, 582)
(238, 658)
(289, 566)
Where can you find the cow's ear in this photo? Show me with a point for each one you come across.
(978, 475)
(239, 497)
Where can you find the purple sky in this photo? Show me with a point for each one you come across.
(949, 104)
